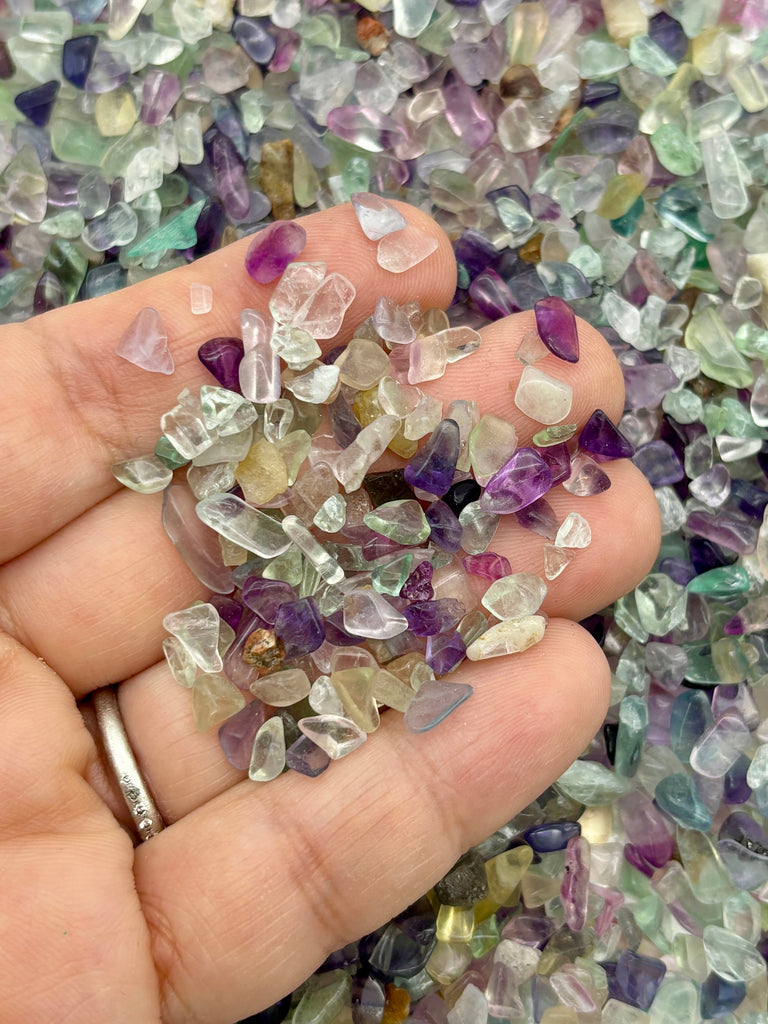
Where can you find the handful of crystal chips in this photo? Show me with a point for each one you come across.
(338, 590)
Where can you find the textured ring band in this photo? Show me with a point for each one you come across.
(142, 807)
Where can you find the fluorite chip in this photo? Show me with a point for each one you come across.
(273, 248)
(556, 324)
(603, 440)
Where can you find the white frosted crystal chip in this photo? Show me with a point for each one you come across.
(514, 596)
(335, 734)
(145, 343)
(323, 312)
(492, 442)
(225, 411)
(197, 629)
(555, 560)
(376, 216)
(323, 698)
(255, 329)
(295, 346)
(268, 755)
(369, 614)
(543, 398)
(184, 426)
(316, 385)
(325, 564)
(281, 689)
(299, 281)
(200, 298)
(353, 462)
(574, 532)
(214, 700)
(508, 637)
(427, 359)
(404, 249)
(238, 522)
(180, 662)
(147, 474)
(459, 342)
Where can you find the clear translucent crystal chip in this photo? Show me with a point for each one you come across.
(197, 628)
(147, 474)
(335, 734)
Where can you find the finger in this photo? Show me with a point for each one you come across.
(625, 527)
(71, 917)
(76, 407)
(491, 375)
(316, 863)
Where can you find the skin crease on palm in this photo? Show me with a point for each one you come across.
(250, 886)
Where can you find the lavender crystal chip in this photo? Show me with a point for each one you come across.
(446, 530)
(418, 586)
(222, 357)
(558, 458)
(669, 35)
(432, 467)
(551, 836)
(636, 979)
(658, 464)
(229, 608)
(539, 517)
(488, 565)
(434, 701)
(519, 482)
(444, 652)
(237, 734)
(556, 324)
(299, 625)
(273, 249)
(602, 439)
(428, 618)
(306, 758)
(265, 596)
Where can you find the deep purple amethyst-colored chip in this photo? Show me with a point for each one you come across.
(222, 357)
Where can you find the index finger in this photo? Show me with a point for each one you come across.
(74, 407)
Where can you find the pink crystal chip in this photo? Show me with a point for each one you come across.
(556, 324)
(273, 249)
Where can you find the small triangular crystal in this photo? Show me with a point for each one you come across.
(145, 343)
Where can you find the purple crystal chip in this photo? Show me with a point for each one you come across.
(446, 530)
(444, 652)
(556, 324)
(306, 757)
(299, 625)
(222, 357)
(603, 440)
(418, 586)
(487, 565)
(237, 734)
(432, 467)
(428, 618)
(519, 482)
(273, 249)
(558, 458)
(636, 979)
(265, 597)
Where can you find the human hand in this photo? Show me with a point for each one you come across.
(250, 887)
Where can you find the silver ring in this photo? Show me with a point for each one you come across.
(139, 801)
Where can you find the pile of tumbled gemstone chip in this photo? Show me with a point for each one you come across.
(340, 590)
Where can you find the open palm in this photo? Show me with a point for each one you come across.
(250, 887)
